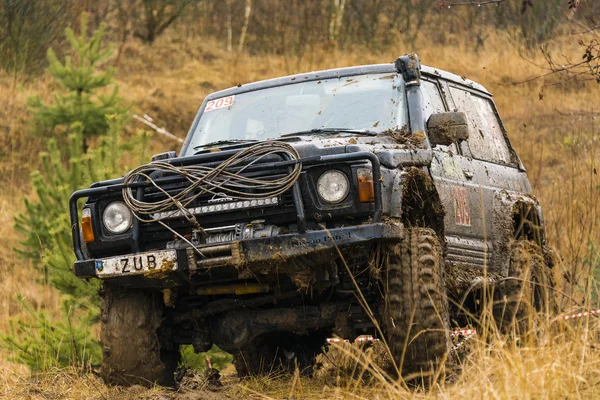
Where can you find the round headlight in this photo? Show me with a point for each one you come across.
(117, 217)
(333, 186)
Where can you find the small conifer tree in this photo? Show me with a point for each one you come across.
(45, 225)
(84, 98)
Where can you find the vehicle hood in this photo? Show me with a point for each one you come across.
(393, 148)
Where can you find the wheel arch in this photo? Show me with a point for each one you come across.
(421, 204)
(527, 221)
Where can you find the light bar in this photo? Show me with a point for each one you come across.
(219, 207)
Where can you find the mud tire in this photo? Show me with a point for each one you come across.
(416, 317)
(131, 344)
(529, 287)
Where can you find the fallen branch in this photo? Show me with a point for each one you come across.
(150, 122)
(469, 3)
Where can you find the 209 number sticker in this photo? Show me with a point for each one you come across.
(219, 103)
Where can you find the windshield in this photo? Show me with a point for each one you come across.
(364, 102)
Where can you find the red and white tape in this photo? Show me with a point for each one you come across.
(465, 333)
(581, 314)
(360, 339)
(369, 338)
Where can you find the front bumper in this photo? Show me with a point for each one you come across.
(308, 248)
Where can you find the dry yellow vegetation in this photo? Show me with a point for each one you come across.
(555, 132)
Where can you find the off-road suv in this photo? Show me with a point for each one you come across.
(375, 200)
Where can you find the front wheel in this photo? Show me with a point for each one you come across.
(134, 347)
(416, 318)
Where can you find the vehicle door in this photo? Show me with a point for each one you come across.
(484, 165)
(463, 221)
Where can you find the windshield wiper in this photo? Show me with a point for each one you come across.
(315, 131)
(229, 141)
(332, 131)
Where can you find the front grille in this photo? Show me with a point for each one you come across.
(212, 210)
(209, 203)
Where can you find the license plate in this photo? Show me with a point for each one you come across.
(137, 264)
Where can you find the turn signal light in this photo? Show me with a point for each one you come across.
(366, 191)
(86, 225)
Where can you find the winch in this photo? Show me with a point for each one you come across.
(223, 234)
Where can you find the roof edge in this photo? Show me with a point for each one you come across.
(343, 72)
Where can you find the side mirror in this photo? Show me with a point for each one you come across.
(447, 128)
(164, 156)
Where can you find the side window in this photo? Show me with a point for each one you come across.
(433, 103)
(432, 100)
(486, 139)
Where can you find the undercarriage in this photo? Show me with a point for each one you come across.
(292, 297)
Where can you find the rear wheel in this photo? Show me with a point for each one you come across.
(135, 349)
(415, 313)
(529, 288)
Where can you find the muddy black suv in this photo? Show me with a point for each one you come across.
(377, 200)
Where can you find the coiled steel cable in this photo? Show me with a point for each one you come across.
(226, 179)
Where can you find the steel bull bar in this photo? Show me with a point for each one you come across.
(275, 250)
(248, 251)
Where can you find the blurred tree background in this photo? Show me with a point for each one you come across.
(295, 27)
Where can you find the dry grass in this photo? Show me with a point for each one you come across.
(566, 367)
(556, 138)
